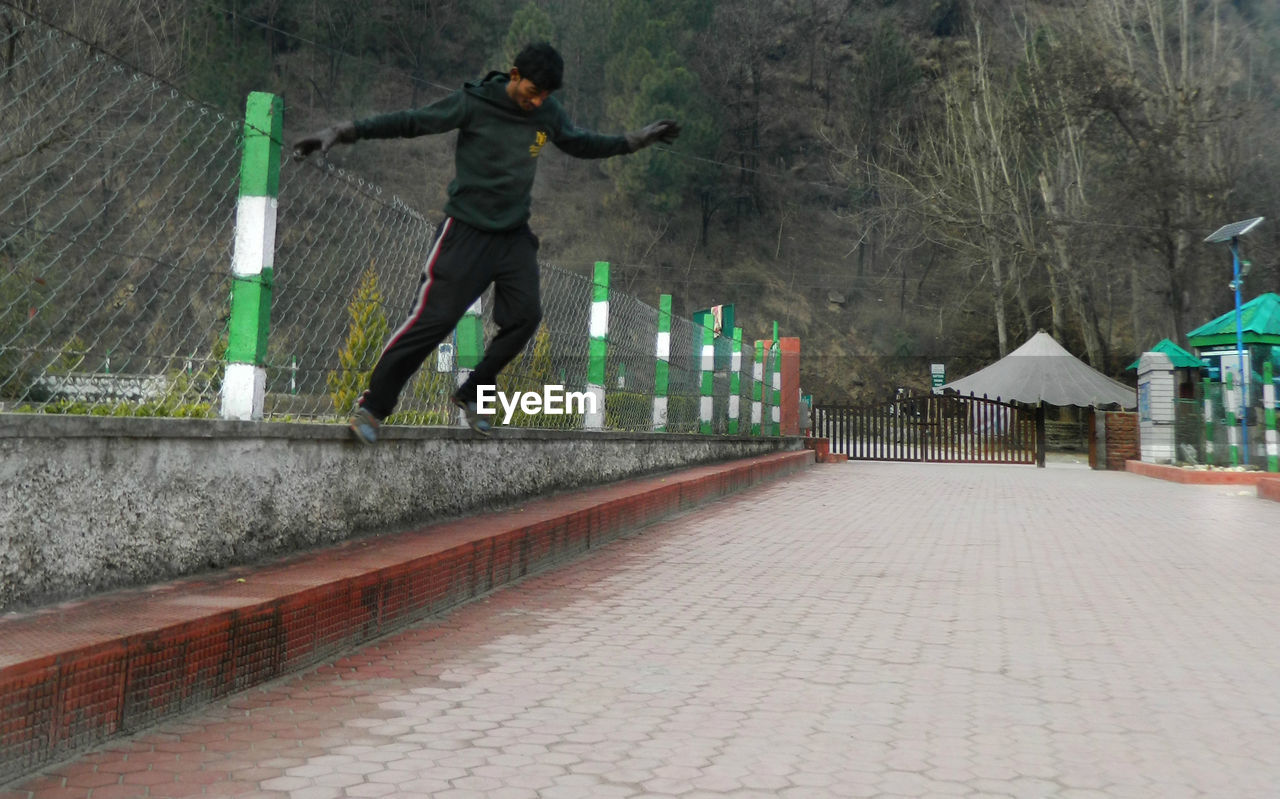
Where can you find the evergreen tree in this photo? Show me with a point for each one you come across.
(649, 79)
(663, 88)
(530, 24)
(366, 334)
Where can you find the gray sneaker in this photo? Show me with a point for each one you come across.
(476, 421)
(364, 425)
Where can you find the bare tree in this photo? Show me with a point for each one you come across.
(1170, 67)
(967, 178)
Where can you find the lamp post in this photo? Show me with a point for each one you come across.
(1231, 234)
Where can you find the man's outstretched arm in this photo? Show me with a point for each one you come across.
(441, 116)
(342, 133)
(664, 130)
(585, 144)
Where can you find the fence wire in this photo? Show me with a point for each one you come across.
(117, 220)
(117, 202)
(1202, 441)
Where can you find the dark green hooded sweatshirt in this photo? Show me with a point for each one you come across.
(498, 147)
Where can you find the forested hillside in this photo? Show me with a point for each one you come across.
(894, 181)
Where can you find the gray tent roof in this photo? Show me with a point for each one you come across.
(1043, 371)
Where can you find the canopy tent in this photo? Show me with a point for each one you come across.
(1181, 358)
(1042, 370)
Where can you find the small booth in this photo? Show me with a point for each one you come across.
(1188, 370)
(1215, 341)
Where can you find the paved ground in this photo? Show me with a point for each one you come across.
(861, 630)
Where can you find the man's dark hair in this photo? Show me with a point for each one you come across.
(540, 63)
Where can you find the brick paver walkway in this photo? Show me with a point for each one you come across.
(860, 630)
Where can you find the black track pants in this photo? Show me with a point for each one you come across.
(462, 263)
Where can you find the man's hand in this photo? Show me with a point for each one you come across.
(664, 130)
(344, 133)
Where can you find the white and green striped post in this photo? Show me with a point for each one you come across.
(593, 419)
(469, 334)
(735, 381)
(775, 362)
(707, 368)
(1208, 422)
(662, 364)
(757, 389)
(1233, 432)
(244, 381)
(1269, 411)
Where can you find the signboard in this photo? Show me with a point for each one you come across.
(1226, 362)
(444, 357)
(938, 375)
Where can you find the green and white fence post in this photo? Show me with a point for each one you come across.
(775, 360)
(1208, 422)
(1233, 432)
(757, 389)
(662, 364)
(1269, 411)
(707, 368)
(593, 419)
(244, 381)
(735, 381)
(469, 335)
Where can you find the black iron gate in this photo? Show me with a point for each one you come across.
(937, 428)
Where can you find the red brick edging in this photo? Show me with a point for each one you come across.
(1177, 474)
(822, 451)
(1269, 488)
(78, 673)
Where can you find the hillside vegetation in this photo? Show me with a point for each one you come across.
(894, 181)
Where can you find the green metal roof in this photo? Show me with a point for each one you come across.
(1259, 320)
(1180, 357)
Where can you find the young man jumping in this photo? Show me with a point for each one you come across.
(504, 120)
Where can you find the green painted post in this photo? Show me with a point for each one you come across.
(598, 349)
(245, 378)
(662, 364)
(707, 369)
(468, 336)
(1208, 422)
(757, 389)
(735, 381)
(1233, 432)
(1269, 410)
(775, 361)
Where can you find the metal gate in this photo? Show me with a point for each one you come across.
(936, 428)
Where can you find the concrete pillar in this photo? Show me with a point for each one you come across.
(1157, 393)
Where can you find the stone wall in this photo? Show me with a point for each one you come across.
(89, 504)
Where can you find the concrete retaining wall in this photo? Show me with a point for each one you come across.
(89, 504)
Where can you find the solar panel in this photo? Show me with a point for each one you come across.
(1231, 231)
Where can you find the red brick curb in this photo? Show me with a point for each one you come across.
(1269, 488)
(822, 451)
(1177, 474)
(74, 674)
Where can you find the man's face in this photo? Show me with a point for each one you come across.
(524, 93)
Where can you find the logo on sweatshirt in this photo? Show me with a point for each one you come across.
(540, 140)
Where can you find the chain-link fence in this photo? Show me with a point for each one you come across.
(117, 220)
(1205, 426)
(117, 202)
